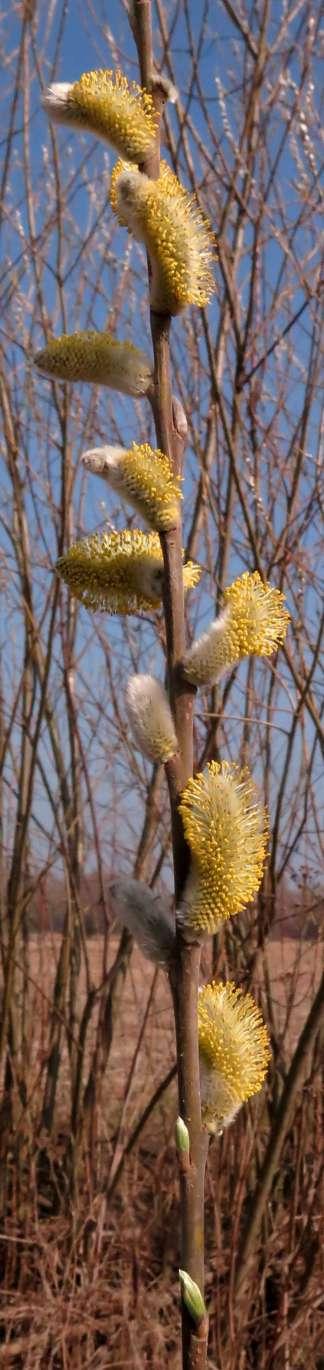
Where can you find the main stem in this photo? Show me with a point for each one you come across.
(185, 970)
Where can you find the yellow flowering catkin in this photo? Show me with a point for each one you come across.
(143, 477)
(234, 1052)
(176, 234)
(107, 104)
(253, 622)
(150, 718)
(121, 573)
(226, 829)
(97, 358)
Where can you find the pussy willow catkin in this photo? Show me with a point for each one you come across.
(253, 622)
(97, 358)
(226, 829)
(105, 103)
(234, 1051)
(176, 234)
(143, 476)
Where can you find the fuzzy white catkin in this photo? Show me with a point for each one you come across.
(207, 659)
(150, 718)
(146, 916)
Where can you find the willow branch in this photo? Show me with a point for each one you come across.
(185, 970)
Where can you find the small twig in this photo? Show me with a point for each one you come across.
(118, 1152)
(242, 28)
(245, 378)
(161, 1088)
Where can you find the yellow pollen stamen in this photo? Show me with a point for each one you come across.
(143, 476)
(253, 622)
(97, 358)
(226, 829)
(105, 103)
(176, 233)
(121, 573)
(234, 1050)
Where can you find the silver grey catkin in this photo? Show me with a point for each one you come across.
(146, 916)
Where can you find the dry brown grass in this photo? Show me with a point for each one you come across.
(91, 1285)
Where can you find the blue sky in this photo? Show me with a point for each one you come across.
(86, 43)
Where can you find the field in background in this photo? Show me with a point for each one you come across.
(294, 970)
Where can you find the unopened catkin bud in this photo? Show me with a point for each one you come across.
(143, 476)
(253, 622)
(192, 1297)
(150, 718)
(146, 916)
(163, 88)
(121, 573)
(227, 832)
(107, 104)
(234, 1052)
(177, 236)
(182, 1136)
(97, 358)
